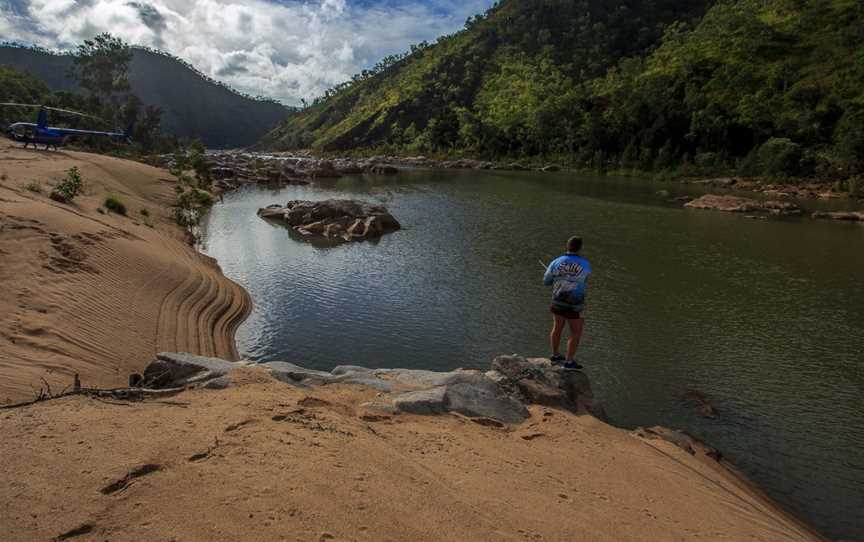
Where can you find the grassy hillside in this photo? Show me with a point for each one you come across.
(766, 86)
(193, 106)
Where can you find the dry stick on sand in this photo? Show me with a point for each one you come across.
(114, 393)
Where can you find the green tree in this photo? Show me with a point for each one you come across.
(101, 66)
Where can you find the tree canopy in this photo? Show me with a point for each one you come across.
(101, 65)
(632, 84)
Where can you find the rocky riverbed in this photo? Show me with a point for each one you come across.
(231, 168)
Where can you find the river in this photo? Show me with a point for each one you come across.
(764, 317)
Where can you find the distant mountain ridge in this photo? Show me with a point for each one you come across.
(505, 63)
(768, 87)
(192, 105)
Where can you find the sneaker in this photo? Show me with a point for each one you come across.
(572, 365)
(557, 359)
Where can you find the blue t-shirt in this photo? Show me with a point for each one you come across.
(567, 276)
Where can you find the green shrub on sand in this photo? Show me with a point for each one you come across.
(71, 186)
(115, 205)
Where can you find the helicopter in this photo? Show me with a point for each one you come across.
(42, 134)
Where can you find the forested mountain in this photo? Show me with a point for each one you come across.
(769, 87)
(18, 87)
(192, 105)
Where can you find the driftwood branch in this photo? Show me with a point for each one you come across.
(127, 394)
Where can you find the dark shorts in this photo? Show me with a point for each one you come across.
(569, 314)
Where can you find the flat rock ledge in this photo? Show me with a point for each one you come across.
(497, 396)
(735, 204)
(349, 220)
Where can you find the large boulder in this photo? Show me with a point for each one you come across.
(334, 218)
(177, 369)
(536, 381)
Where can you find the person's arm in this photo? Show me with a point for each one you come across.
(549, 276)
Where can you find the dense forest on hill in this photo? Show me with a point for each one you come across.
(18, 87)
(192, 105)
(767, 87)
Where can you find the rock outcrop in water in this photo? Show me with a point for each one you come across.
(844, 216)
(497, 396)
(735, 204)
(334, 218)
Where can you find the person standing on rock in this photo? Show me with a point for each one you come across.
(567, 275)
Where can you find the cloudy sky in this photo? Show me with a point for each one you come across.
(285, 49)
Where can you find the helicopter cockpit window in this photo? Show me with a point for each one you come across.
(21, 131)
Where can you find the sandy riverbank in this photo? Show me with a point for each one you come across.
(99, 294)
(263, 460)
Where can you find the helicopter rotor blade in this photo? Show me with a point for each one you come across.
(19, 105)
(70, 112)
(57, 109)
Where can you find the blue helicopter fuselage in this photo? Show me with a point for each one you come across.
(28, 132)
(40, 133)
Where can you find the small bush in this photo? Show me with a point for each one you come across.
(849, 137)
(144, 212)
(115, 205)
(202, 197)
(707, 160)
(780, 157)
(856, 187)
(33, 186)
(66, 190)
(667, 157)
(185, 216)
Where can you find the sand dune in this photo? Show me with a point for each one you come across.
(98, 294)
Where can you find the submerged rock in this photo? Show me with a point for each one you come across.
(334, 218)
(703, 405)
(681, 439)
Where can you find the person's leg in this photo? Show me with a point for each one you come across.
(576, 326)
(555, 334)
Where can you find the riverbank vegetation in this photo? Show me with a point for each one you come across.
(765, 88)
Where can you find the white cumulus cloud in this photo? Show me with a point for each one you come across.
(288, 50)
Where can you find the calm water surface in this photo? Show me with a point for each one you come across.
(762, 316)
